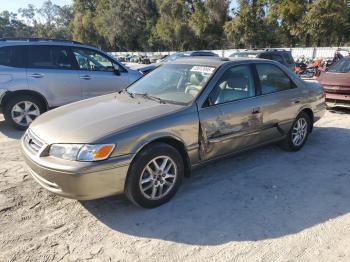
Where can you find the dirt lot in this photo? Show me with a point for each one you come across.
(263, 205)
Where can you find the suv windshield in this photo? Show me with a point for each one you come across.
(342, 66)
(178, 84)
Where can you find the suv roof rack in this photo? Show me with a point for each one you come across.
(39, 39)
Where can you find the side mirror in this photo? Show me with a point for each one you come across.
(116, 69)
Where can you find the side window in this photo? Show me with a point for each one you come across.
(278, 58)
(13, 56)
(51, 57)
(91, 60)
(273, 79)
(236, 83)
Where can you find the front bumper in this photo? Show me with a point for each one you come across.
(79, 180)
(341, 100)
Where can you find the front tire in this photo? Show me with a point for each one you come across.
(298, 134)
(21, 110)
(154, 176)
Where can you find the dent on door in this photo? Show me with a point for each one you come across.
(222, 133)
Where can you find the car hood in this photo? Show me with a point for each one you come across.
(334, 79)
(90, 120)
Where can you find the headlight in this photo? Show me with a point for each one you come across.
(81, 152)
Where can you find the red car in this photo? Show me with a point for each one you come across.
(336, 83)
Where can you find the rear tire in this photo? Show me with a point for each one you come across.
(21, 110)
(298, 134)
(154, 176)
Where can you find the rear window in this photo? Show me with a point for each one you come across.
(342, 66)
(289, 58)
(274, 57)
(13, 56)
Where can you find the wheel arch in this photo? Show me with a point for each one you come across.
(174, 142)
(10, 94)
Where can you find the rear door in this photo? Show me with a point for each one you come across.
(279, 100)
(96, 72)
(51, 72)
(230, 120)
(12, 67)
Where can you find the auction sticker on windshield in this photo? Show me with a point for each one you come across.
(203, 69)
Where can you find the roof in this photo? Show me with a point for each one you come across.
(39, 41)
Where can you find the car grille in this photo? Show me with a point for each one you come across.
(32, 142)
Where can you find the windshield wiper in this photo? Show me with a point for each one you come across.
(126, 91)
(154, 98)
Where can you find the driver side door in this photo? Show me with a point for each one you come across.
(230, 120)
(96, 72)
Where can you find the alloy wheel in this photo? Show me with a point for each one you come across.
(24, 112)
(158, 178)
(299, 132)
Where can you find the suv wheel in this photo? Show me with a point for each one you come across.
(21, 110)
(298, 134)
(154, 176)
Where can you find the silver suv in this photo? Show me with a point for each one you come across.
(39, 74)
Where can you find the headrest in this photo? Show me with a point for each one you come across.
(196, 79)
(237, 81)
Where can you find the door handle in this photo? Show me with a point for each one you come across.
(256, 110)
(86, 77)
(36, 75)
(296, 100)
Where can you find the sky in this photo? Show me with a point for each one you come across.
(14, 5)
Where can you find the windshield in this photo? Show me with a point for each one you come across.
(173, 57)
(342, 66)
(245, 54)
(179, 84)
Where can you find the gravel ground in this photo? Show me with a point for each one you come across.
(263, 205)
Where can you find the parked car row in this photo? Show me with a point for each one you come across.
(141, 59)
(145, 138)
(280, 55)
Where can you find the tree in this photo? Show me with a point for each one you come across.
(10, 26)
(248, 26)
(173, 24)
(328, 21)
(127, 24)
(207, 21)
(290, 14)
(84, 23)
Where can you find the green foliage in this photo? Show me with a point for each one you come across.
(151, 25)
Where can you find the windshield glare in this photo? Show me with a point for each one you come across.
(179, 84)
(343, 66)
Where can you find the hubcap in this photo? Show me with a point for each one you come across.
(158, 177)
(299, 131)
(24, 112)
